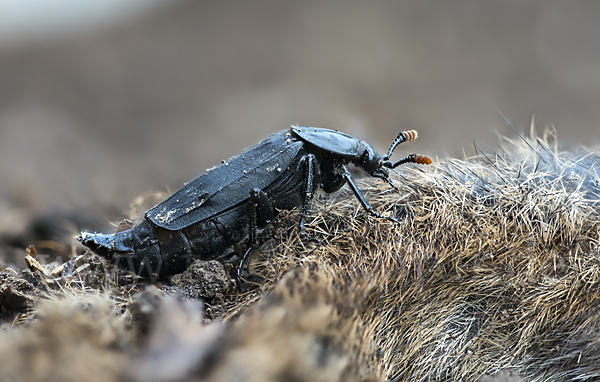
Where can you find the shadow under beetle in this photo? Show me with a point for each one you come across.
(207, 217)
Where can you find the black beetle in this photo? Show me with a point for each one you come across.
(219, 209)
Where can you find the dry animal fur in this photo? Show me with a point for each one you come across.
(496, 266)
(494, 270)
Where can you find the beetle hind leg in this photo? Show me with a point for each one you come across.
(261, 214)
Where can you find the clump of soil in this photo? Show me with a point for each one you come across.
(16, 294)
(202, 280)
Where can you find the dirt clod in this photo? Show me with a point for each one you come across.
(17, 295)
(203, 279)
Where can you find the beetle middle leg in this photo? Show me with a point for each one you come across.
(309, 187)
(261, 214)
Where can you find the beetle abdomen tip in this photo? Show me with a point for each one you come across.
(97, 241)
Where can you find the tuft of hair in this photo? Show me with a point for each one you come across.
(309, 327)
(78, 337)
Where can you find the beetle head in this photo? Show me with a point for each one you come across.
(377, 165)
(373, 163)
(367, 158)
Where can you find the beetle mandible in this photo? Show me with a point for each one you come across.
(207, 217)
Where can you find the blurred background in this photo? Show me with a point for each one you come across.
(103, 100)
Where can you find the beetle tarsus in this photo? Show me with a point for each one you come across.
(238, 279)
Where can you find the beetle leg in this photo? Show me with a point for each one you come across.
(361, 198)
(238, 279)
(382, 175)
(261, 214)
(308, 190)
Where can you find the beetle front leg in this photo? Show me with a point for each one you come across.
(381, 174)
(361, 198)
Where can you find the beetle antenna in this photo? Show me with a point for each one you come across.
(412, 158)
(403, 136)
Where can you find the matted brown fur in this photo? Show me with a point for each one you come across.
(494, 269)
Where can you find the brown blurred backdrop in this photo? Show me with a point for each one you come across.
(95, 114)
